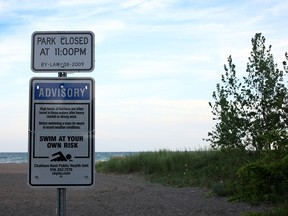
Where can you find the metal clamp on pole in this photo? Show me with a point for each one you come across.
(62, 74)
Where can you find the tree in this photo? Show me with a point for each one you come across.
(252, 114)
(227, 132)
(264, 98)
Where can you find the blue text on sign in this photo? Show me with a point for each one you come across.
(62, 91)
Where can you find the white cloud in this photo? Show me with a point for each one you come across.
(14, 53)
(17, 8)
(79, 2)
(153, 60)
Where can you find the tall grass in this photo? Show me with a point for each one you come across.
(209, 168)
(217, 170)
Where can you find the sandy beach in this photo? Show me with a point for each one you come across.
(111, 195)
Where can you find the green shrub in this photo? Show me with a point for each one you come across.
(265, 179)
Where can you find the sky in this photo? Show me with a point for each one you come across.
(157, 63)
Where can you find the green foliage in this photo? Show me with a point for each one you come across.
(251, 114)
(265, 179)
(214, 169)
(279, 211)
(228, 130)
(264, 97)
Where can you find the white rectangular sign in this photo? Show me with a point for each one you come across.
(61, 132)
(65, 51)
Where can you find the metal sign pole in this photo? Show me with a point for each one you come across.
(61, 201)
(61, 192)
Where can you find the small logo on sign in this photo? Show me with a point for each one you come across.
(61, 157)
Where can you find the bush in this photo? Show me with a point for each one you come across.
(264, 180)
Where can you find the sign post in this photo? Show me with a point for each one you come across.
(61, 192)
(61, 113)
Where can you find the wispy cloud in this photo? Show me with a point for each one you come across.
(157, 62)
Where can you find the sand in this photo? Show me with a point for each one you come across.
(111, 195)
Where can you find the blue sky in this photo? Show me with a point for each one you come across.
(156, 63)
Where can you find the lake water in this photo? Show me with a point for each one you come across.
(22, 157)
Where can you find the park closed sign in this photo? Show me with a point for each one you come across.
(61, 132)
(62, 51)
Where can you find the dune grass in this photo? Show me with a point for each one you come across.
(207, 168)
(216, 170)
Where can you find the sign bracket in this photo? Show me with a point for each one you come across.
(62, 74)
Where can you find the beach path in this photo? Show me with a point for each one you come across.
(111, 195)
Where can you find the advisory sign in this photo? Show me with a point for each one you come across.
(61, 132)
(62, 51)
